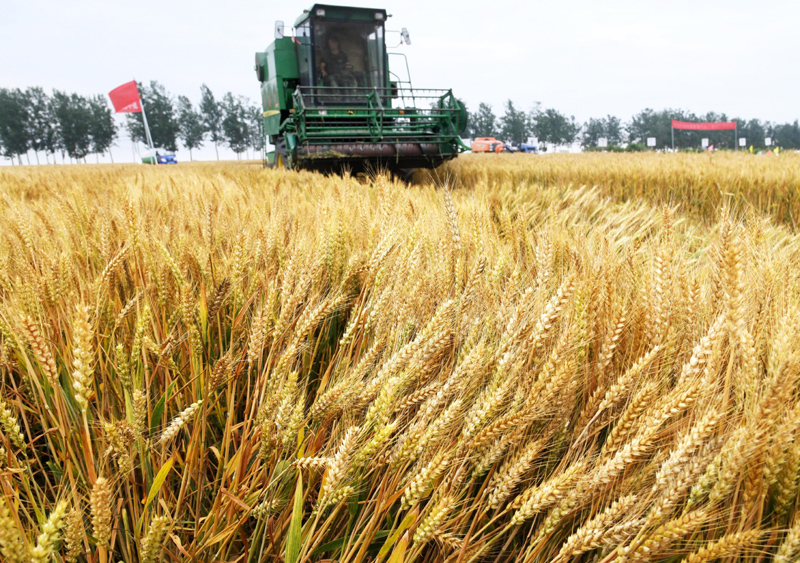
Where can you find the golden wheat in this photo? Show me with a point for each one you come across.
(310, 368)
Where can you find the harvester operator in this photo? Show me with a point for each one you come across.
(334, 64)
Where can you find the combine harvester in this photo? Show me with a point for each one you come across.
(330, 102)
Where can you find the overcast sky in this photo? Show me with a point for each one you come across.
(584, 58)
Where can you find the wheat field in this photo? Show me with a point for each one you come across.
(700, 183)
(216, 362)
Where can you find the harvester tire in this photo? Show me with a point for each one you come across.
(281, 160)
(405, 175)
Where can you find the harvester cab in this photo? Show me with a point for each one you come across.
(330, 102)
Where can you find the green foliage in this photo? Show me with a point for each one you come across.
(552, 126)
(658, 124)
(650, 123)
(609, 148)
(41, 125)
(256, 122)
(14, 133)
(161, 118)
(483, 123)
(296, 523)
(73, 116)
(102, 128)
(32, 120)
(235, 123)
(787, 135)
(191, 125)
(513, 124)
(609, 127)
(211, 113)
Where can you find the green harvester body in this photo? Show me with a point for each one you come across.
(330, 101)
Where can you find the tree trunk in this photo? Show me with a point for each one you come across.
(28, 158)
(37, 157)
(111, 156)
(216, 148)
(191, 158)
(97, 157)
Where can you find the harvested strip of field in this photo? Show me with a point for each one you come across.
(223, 363)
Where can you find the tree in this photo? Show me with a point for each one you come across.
(613, 130)
(14, 124)
(483, 123)
(235, 123)
(650, 123)
(54, 141)
(256, 122)
(161, 119)
(211, 113)
(513, 124)
(593, 130)
(720, 139)
(555, 128)
(73, 115)
(41, 125)
(102, 128)
(190, 124)
(753, 131)
(787, 135)
(608, 127)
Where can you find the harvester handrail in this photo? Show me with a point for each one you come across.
(318, 96)
(376, 119)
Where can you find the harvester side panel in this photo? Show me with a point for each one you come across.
(278, 70)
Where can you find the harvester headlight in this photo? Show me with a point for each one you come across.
(378, 15)
(320, 12)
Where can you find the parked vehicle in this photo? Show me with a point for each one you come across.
(527, 148)
(488, 144)
(163, 156)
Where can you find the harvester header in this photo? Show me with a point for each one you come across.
(330, 100)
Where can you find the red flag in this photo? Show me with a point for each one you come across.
(126, 98)
(722, 126)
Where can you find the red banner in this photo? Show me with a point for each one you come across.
(721, 126)
(126, 98)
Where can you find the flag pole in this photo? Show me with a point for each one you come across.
(672, 127)
(147, 131)
(149, 138)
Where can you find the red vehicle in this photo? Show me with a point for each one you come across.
(488, 144)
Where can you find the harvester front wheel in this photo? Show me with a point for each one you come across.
(281, 160)
(405, 175)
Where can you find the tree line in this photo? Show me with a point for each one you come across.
(71, 124)
(553, 127)
(232, 121)
(76, 126)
